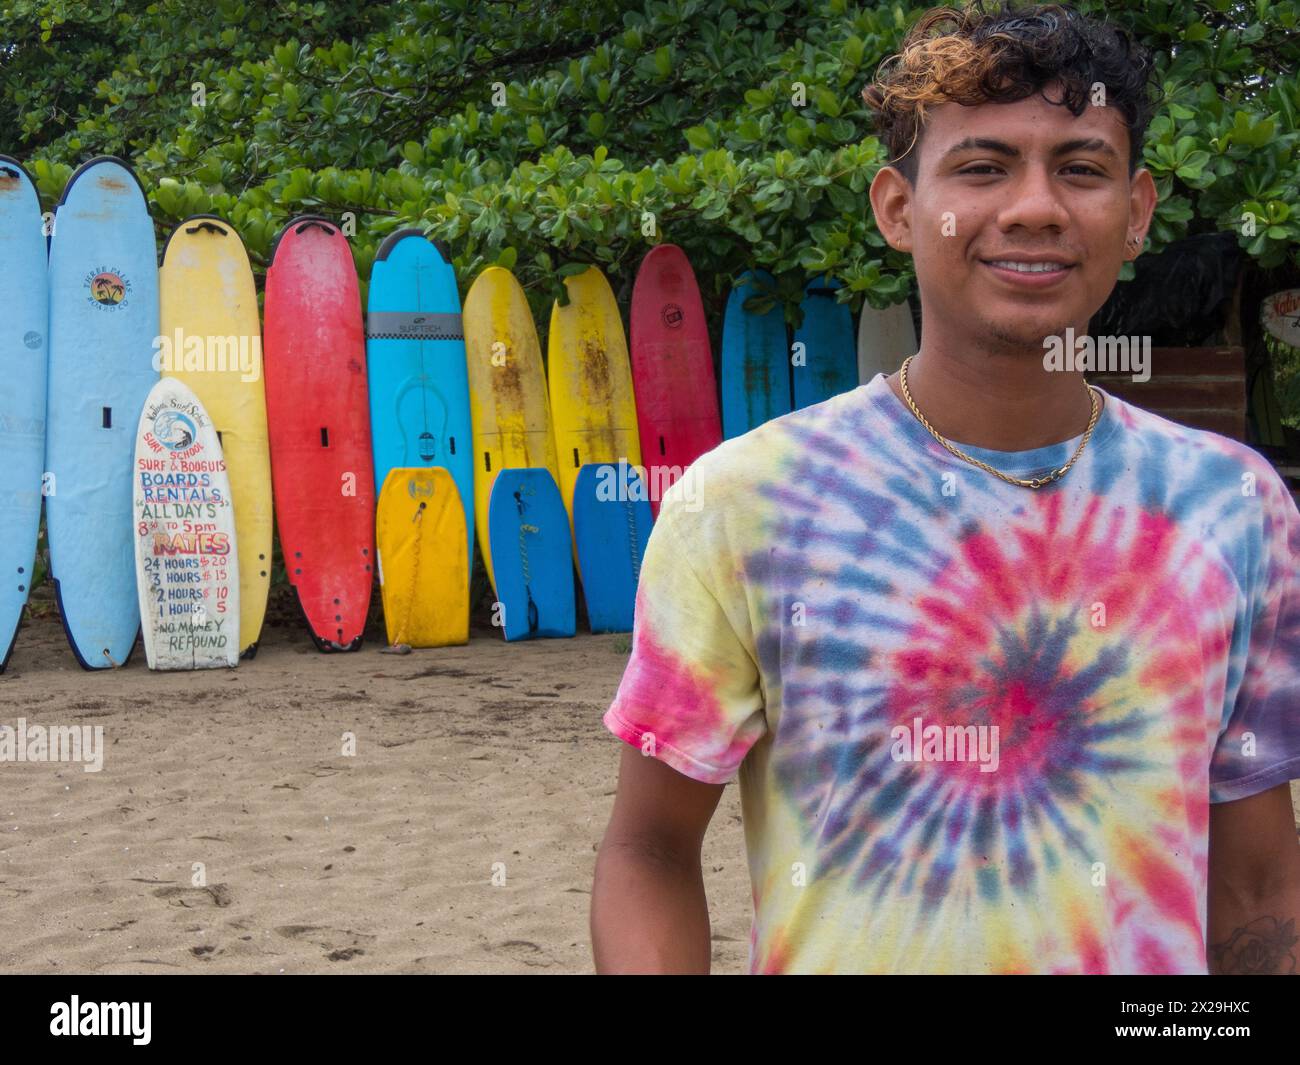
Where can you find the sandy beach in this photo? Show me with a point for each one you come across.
(470, 761)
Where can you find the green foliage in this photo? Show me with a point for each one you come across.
(540, 134)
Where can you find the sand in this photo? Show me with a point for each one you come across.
(469, 761)
(472, 764)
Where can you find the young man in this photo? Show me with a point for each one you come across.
(1009, 669)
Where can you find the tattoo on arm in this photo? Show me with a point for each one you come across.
(1266, 945)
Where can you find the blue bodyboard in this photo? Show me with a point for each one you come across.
(611, 523)
(532, 556)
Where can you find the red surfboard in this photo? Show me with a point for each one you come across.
(672, 369)
(318, 417)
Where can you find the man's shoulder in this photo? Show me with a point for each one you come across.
(740, 472)
(1199, 455)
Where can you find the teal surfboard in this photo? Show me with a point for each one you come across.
(611, 524)
(830, 354)
(103, 321)
(23, 355)
(415, 354)
(755, 360)
(532, 556)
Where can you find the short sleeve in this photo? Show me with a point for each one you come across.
(1260, 746)
(690, 695)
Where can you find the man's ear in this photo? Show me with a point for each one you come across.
(1141, 206)
(891, 203)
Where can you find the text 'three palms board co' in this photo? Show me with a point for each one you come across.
(103, 324)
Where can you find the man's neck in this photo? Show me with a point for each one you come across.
(1002, 403)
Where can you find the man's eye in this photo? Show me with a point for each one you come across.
(1087, 171)
(978, 168)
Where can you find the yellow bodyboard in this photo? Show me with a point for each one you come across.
(593, 408)
(507, 390)
(422, 546)
(209, 318)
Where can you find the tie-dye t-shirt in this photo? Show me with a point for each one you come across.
(840, 612)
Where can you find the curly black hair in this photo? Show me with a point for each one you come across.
(974, 55)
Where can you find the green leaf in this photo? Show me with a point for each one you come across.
(699, 137)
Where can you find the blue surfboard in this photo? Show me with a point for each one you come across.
(611, 524)
(23, 356)
(755, 360)
(532, 560)
(830, 349)
(415, 355)
(103, 321)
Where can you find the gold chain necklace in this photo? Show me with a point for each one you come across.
(1034, 482)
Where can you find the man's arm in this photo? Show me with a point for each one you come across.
(649, 913)
(1254, 884)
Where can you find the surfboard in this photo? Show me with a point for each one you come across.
(828, 351)
(613, 522)
(885, 339)
(23, 357)
(103, 322)
(755, 360)
(529, 539)
(415, 348)
(207, 297)
(509, 409)
(589, 377)
(187, 558)
(423, 558)
(318, 415)
(672, 368)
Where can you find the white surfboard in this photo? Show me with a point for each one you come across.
(885, 339)
(187, 567)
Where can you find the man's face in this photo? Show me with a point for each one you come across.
(1020, 216)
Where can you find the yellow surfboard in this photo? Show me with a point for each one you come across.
(507, 390)
(593, 409)
(423, 551)
(208, 317)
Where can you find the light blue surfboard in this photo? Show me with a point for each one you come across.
(755, 360)
(830, 349)
(415, 356)
(611, 524)
(532, 556)
(24, 313)
(103, 321)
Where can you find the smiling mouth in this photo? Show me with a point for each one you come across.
(1022, 266)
